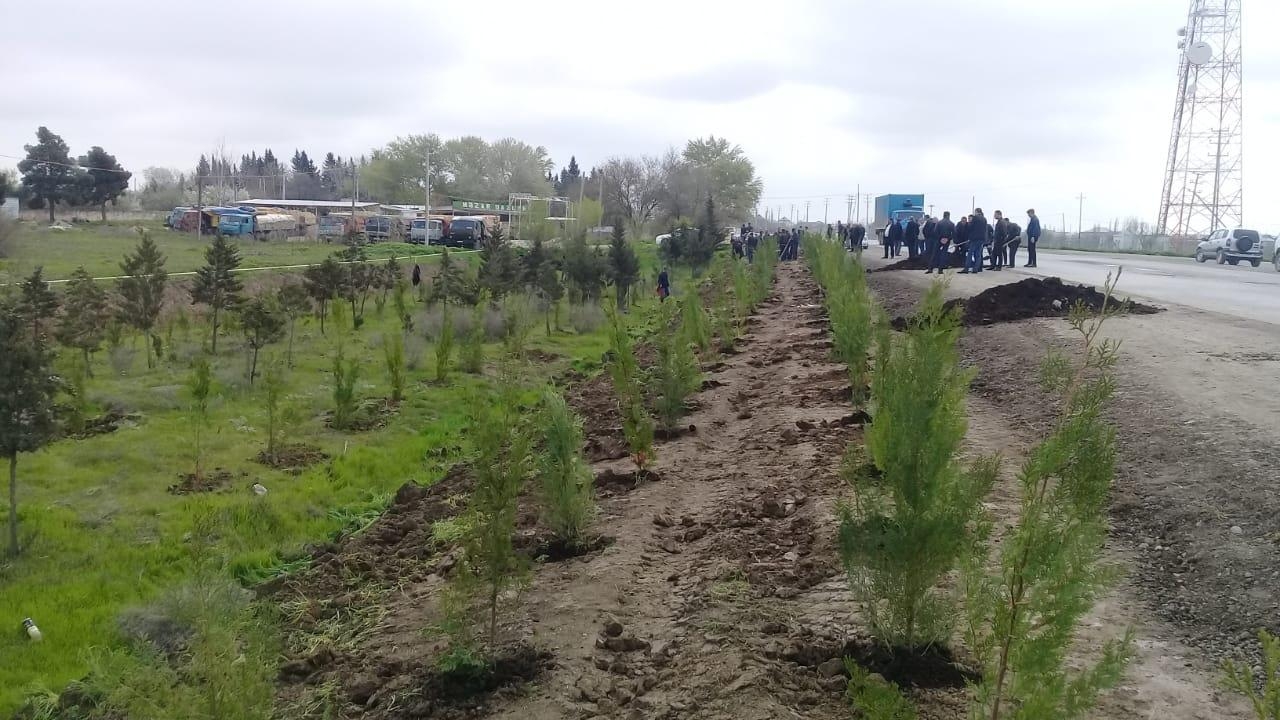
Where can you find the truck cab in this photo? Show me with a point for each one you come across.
(426, 231)
(467, 232)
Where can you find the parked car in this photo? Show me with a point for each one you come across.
(426, 232)
(1231, 246)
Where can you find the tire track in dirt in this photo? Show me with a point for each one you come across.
(720, 569)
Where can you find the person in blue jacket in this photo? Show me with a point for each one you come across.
(978, 230)
(1033, 234)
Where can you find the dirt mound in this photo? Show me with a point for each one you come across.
(189, 483)
(456, 693)
(292, 458)
(105, 424)
(929, 667)
(954, 260)
(1038, 297)
(1033, 298)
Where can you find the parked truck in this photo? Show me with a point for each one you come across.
(259, 226)
(471, 231)
(896, 207)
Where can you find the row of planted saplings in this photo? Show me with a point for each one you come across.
(915, 517)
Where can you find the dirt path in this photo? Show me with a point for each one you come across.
(1174, 675)
(720, 567)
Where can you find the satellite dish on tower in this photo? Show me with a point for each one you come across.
(1199, 53)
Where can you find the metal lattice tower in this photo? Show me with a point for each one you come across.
(1204, 176)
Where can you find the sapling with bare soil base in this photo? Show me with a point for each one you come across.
(637, 425)
(568, 502)
(906, 529)
(1023, 616)
(490, 565)
(1262, 692)
(676, 375)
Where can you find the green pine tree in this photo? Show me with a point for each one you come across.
(624, 266)
(141, 290)
(906, 530)
(215, 283)
(83, 325)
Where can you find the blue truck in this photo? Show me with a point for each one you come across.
(242, 222)
(896, 207)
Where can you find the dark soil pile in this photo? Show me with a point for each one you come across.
(292, 458)
(1033, 298)
(1038, 297)
(105, 424)
(955, 260)
(213, 481)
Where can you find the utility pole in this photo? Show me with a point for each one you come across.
(792, 215)
(1080, 216)
(930, 209)
(428, 212)
(826, 204)
(806, 211)
(848, 215)
(199, 202)
(868, 215)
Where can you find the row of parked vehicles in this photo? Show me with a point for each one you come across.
(467, 231)
(1233, 246)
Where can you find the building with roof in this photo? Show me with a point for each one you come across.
(320, 207)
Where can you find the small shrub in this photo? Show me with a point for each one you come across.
(676, 375)
(1262, 692)
(501, 465)
(393, 357)
(226, 666)
(516, 324)
(568, 505)
(471, 355)
(280, 415)
(585, 318)
(874, 697)
(695, 324)
(200, 390)
(122, 359)
(444, 346)
(637, 425)
(905, 531)
(345, 374)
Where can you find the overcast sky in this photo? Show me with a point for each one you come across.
(1017, 102)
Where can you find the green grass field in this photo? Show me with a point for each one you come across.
(105, 532)
(99, 248)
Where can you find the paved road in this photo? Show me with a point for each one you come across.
(1242, 291)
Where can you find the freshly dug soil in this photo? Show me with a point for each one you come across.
(293, 458)
(928, 667)
(370, 414)
(1032, 298)
(612, 482)
(188, 483)
(105, 424)
(955, 260)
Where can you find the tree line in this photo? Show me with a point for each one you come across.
(49, 175)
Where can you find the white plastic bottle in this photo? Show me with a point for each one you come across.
(33, 632)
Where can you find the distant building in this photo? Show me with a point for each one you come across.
(320, 207)
(11, 207)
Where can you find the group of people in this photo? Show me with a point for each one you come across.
(935, 238)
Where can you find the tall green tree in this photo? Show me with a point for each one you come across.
(263, 324)
(106, 180)
(584, 268)
(141, 290)
(48, 174)
(450, 284)
(37, 305)
(28, 388)
(624, 266)
(87, 311)
(6, 185)
(499, 267)
(216, 284)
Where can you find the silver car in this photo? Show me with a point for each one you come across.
(1229, 247)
